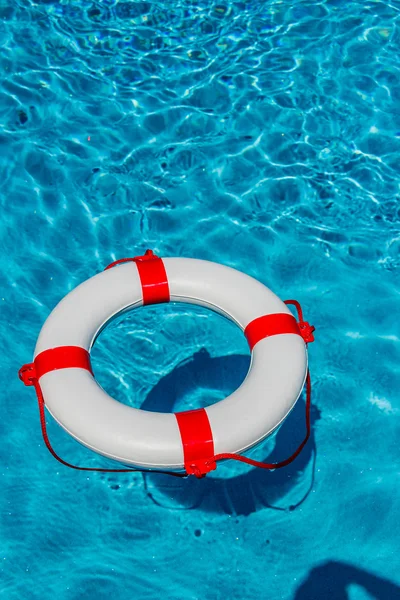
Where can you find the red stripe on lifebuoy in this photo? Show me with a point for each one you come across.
(268, 325)
(63, 357)
(153, 278)
(197, 441)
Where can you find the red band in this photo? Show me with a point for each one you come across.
(270, 325)
(197, 441)
(63, 357)
(153, 278)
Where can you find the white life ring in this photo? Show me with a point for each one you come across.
(180, 441)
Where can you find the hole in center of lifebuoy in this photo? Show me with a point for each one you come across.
(170, 358)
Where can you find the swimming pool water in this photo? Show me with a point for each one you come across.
(261, 134)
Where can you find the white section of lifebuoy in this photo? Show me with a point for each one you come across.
(152, 440)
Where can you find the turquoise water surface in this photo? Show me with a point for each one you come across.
(264, 135)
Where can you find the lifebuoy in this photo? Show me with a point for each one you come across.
(182, 441)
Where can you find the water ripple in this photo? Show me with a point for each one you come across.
(266, 136)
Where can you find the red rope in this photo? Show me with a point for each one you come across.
(119, 262)
(28, 376)
(148, 255)
(298, 308)
(222, 456)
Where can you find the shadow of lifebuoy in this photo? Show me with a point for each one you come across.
(242, 493)
(331, 580)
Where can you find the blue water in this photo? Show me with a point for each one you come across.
(264, 135)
